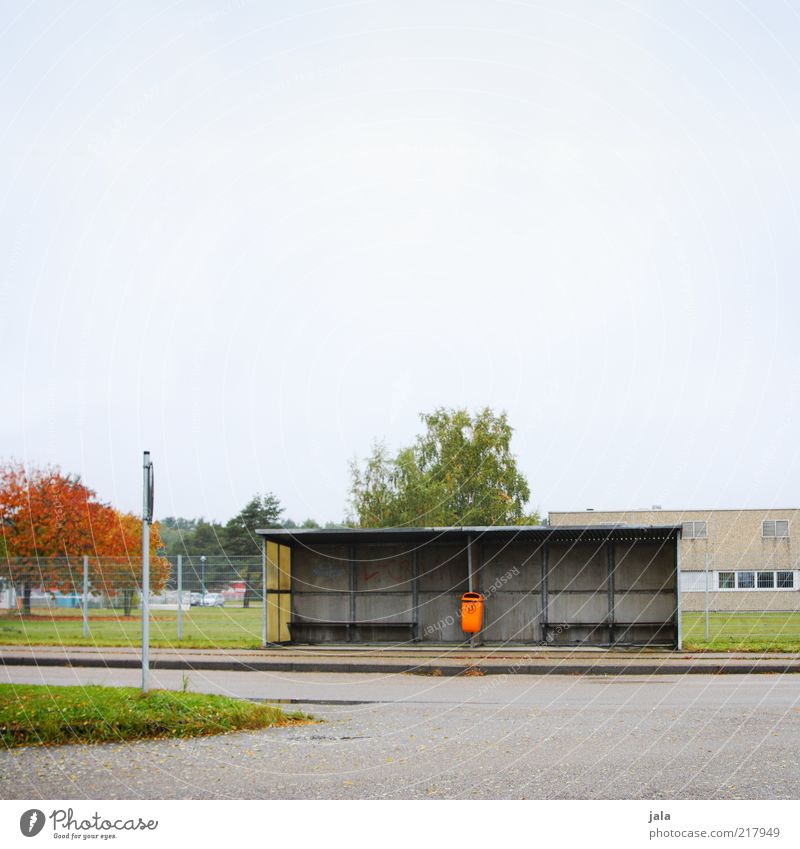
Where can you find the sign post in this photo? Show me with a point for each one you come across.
(85, 595)
(147, 518)
(180, 596)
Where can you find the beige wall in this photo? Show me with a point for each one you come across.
(742, 600)
(734, 543)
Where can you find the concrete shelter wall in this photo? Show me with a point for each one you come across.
(510, 577)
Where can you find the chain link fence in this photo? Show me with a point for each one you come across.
(214, 599)
(29, 584)
(217, 601)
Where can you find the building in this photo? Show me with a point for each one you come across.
(751, 556)
(541, 585)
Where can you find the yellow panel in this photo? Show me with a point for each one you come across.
(272, 566)
(273, 618)
(279, 604)
(285, 567)
(286, 612)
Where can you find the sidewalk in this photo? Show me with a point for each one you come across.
(413, 660)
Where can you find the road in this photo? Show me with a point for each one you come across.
(406, 736)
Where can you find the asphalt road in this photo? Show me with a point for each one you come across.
(403, 736)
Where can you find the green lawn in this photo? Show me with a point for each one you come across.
(40, 715)
(203, 627)
(237, 627)
(743, 632)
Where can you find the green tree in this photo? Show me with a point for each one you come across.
(261, 511)
(175, 533)
(206, 538)
(240, 538)
(460, 471)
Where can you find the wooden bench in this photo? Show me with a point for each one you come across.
(315, 631)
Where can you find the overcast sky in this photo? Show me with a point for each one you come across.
(253, 237)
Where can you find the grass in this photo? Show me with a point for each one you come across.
(40, 715)
(755, 632)
(203, 627)
(240, 628)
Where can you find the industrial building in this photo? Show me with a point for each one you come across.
(541, 585)
(747, 559)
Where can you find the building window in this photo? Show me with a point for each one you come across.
(761, 580)
(727, 580)
(695, 530)
(775, 528)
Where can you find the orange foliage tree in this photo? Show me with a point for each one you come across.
(45, 514)
(118, 569)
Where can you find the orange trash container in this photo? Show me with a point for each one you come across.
(471, 612)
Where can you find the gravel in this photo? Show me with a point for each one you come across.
(553, 738)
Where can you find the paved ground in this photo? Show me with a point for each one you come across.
(478, 737)
(423, 659)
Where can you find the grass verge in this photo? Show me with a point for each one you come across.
(780, 646)
(240, 628)
(41, 715)
(769, 631)
(221, 627)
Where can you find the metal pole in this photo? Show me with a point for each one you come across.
(545, 599)
(180, 596)
(264, 592)
(610, 557)
(146, 576)
(351, 629)
(470, 581)
(706, 598)
(678, 591)
(85, 595)
(415, 591)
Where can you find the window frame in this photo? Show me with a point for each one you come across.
(694, 534)
(764, 573)
(774, 523)
(776, 583)
(732, 578)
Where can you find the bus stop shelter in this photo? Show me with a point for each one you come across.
(589, 585)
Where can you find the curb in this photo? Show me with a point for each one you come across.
(467, 670)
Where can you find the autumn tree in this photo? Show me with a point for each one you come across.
(45, 514)
(117, 568)
(460, 471)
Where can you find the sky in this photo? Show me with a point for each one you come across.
(252, 238)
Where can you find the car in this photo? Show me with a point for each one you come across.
(213, 600)
(195, 599)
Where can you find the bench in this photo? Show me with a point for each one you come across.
(617, 628)
(315, 631)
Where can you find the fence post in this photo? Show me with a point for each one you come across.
(706, 598)
(180, 596)
(85, 595)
